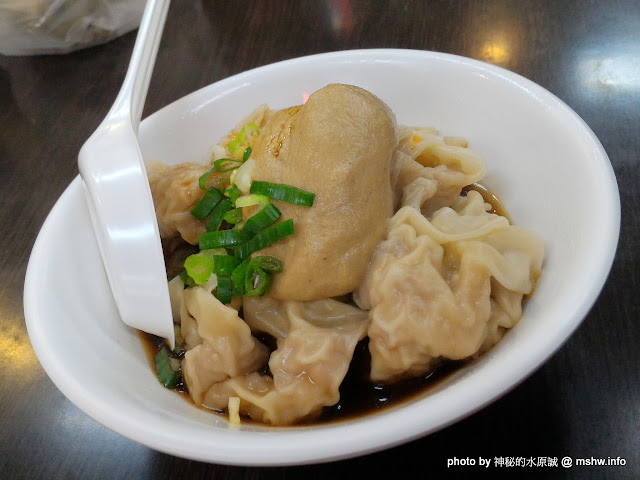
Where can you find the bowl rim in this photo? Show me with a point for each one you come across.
(294, 443)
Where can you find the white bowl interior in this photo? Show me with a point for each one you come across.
(544, 163)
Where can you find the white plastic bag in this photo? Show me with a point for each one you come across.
(33, 27)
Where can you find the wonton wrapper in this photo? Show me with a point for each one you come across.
(266, 314)
(307, 367)
(430, 171)
(175, 191)
(445, 287)
(227, 349)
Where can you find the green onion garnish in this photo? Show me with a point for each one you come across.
(199, 268)
(286, 193)
(224, 265)
(261, 220)
(233, 144)
(249, 200)
(263, 239)
(233, 193)
(186, 279)
(252, 277)
(217, 215)
(268, 264)
(242, 139)
(224, 289)
(256, 281)
(226, 164)
(209, 200)
(233, 216)
(246, 154)
(203, 179)
(221, 238)
(165, 373)
(238, 276)
(212, 252)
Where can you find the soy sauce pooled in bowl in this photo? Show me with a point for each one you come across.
(358, 396)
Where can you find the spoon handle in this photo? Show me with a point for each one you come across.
(130, 99)
(119, 197)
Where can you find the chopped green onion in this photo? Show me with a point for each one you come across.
(252, 277)
(217, 215)
(268, 264)
(246, 154)
(248, 200)
(233, 216)
(226, 164)
(212, 252)
(233, 193)
(224, 265)
(199, 268)
(224, 289)
(238, 277)
(186, 279)
(286, 193)
(243, 138)
(221, 238)
(233, 145)
(165, 373)
(209, 200)
(203, 179)
(261, 220)
(241, 134)
(242, 176)
(256, 281)
(264, 238)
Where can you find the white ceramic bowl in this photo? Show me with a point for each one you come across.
(544, 162)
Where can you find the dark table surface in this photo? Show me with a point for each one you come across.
(583, 402)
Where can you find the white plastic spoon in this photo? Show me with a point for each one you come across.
(119, 196)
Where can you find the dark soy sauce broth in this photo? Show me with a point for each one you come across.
(358, 396)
